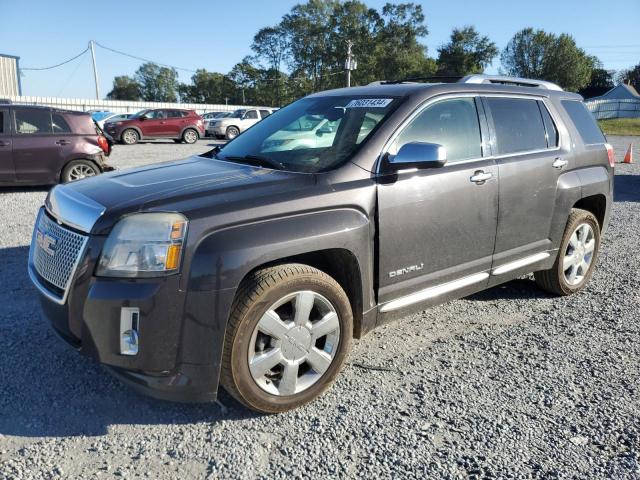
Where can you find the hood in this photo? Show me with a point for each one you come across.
(192, 185)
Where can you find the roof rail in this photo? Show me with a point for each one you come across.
(505, 80)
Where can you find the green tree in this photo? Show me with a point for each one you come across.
(545, 56)
(465, 53)
(269, 44)
(157, 84)
(206, 87)
(124, 88)
(631, 75)
(601, 82)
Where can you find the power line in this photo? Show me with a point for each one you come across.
(144, 59)
(57, 65)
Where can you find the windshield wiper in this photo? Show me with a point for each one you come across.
(256, 160)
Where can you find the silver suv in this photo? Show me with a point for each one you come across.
(236, 123)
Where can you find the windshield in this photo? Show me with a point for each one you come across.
(141, 113)
(311, 135)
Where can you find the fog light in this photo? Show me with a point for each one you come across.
(129, 330)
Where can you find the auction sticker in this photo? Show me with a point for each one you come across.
(369, 103)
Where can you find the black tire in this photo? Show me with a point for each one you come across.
(231, 133)
(190, 136)
(79, 169)
(554, 280)
(177, 140)
(130, 136)
(255, 296)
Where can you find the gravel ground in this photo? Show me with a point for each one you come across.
(508, 383)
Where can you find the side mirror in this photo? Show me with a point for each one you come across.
(144, 117)
(321, 131)
(418, 155)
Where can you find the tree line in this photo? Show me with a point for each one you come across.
(306, 52)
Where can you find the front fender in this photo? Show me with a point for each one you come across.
(223, 258)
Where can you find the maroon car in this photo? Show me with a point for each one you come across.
(180, 125)
(43, 146)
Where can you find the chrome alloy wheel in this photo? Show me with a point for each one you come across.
(81, 171)
(190, 136)
(294, 343)
(579, 254)
(130, 137)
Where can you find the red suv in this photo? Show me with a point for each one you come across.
(42, 146)
(180, 125)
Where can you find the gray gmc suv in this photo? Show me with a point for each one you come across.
(253, 266)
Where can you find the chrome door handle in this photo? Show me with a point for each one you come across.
(559, 163)
(63, 142)
(480, 177)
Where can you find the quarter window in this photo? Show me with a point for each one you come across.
(518, 125)
(584, 121)
(33, 122)
(452, 123)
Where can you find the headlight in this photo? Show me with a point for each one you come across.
(144, 245)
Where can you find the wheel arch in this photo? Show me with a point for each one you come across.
(131, 127)
(190, 127)
(70, 160)
(596, 204)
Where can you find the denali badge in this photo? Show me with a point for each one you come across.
(46, 242)
(409, 269)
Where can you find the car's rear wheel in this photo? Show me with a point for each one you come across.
(130, 137)
(288, 336)
(231, 133)
(190, 136)
(79, 169)
(576, 258)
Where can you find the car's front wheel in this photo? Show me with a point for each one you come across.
(576, 257)
(190, 136)
(231, 133)
(130, 137)
(288, 336)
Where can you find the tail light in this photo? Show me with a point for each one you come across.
(611, 155)
(103, 144)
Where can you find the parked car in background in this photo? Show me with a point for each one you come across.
(113, 117)
(210, 115)
(180, 125)
(209, 125)
(42, 146)
(98, 115)
(236, 123)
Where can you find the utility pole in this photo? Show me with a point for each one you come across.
(350, 63)
(95, 68)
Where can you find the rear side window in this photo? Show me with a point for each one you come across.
(584, 122)
(33, 122)
(549, 125)
(59, 124)
(265, 113)
(4, 122)
(518, 125)
(251, 114)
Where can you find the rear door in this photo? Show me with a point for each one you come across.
(176, 121)
(525, 140)
(36, 151)
(7, 171)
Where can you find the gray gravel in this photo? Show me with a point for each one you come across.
(507, 383)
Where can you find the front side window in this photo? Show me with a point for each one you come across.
(311, 135)
(518, 125)
(452, 123)
(33, 122)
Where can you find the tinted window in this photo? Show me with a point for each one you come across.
(451, 123)
(4, 122)
(157, 114)
(265, 113)
(518, 125)
(33, 121)
(175, 114)
(59, 124)
(251, 114)
(584, 122)
(550, 127)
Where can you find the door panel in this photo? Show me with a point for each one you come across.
(437, 225)
(36, 151)
(155, 125)
(7, 171)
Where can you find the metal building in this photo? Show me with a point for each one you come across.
(9, 76)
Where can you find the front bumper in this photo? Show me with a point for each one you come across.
(170, 363)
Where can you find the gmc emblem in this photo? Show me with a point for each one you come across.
(46, 242)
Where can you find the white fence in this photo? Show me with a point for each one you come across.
(117, 106)
(602, 109)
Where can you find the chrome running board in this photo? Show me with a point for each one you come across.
(433, 292)
(507, 267)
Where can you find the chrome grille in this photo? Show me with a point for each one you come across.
(56, 252)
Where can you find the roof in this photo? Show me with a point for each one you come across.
(619, 92)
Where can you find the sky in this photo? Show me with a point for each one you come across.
(216, 35)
